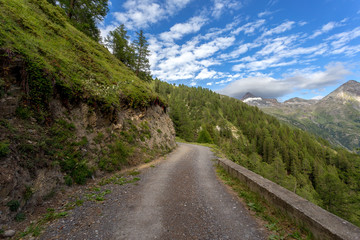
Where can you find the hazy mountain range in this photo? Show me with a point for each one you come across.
(336, 117)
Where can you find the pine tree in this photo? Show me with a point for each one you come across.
(84, 14)
(142, 66)
(204, 136)
(118, 41)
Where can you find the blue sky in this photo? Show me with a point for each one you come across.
(272, 48)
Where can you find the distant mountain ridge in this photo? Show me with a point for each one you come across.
(253, 100)
(335, 117)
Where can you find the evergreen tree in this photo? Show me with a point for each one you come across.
(142, 66)
(204, 136)
(118, 41)
(85, 14)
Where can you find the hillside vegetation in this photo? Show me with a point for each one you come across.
(334, 118)
(302, 163)
(69, 109)
(57, 55)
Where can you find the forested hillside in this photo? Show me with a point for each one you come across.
(335, 117)
(309, 166)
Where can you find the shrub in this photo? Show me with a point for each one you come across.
(116, 157)
(68, 180)
(4, 149)
(204, 137)
(23, 112)
(20, 217)
(13, 205)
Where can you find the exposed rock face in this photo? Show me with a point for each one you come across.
(29, 176)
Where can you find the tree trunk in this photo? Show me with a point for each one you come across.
(71, 8)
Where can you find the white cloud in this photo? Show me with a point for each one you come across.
(266, 86)
(208, 49)
(250, 27)
(302, 23)
(142, 13)
(104, 31)
(193, 84)
(340, 39)
(311, 80)
(206, 74)
(347, 50)
(260, 86)
(264, 13)
(222, 5)
(209, 84)
(279, 29)
(180, 29)
(326, 28)
(243, 48)
(272, 2)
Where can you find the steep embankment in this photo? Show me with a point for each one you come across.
(69, 110)
(298, 161)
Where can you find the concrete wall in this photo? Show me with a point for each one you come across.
(323, 224)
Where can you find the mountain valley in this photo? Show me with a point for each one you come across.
(336, 117)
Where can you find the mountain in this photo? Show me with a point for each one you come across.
(336, 117)
(253, 100)
(69, 110)
(295, 159)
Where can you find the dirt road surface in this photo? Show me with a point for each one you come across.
(180, 198)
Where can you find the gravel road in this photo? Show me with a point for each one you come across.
(180, 198)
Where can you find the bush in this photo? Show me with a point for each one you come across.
(204, 137)
(116, 157)
(13, 205)
(20, 217)
(68, 180)
(4, 149)
(23, 112)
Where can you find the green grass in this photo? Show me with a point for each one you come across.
(36, 228)
(280, 226)
(118, 179)
(4, 148)
(54, 51)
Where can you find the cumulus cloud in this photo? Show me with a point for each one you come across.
(142, 13)
(266, 86)
(104, 30)
(174, 62)
(206, 74)
(180, 29)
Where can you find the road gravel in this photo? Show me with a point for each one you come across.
(179, 198)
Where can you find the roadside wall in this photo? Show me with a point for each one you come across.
(323, 224)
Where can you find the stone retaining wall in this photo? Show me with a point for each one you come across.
(323, 224)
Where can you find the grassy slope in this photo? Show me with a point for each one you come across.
(40, 33)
